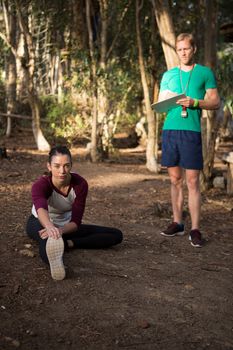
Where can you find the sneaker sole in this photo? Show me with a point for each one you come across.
(55, 250)
(173, 235)
(195, 245)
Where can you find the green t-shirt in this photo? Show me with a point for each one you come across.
(200, 79)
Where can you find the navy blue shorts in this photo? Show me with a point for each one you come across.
(182, 148)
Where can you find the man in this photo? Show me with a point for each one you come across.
(181, 137)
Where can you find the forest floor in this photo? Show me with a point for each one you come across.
(148, 293)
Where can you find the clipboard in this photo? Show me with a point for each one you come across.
(165, 105)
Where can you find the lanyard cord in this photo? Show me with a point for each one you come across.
(184, 90)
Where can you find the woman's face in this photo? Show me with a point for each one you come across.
(60, 168)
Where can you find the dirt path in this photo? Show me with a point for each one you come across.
(148, 293)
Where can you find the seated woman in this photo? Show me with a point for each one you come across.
(58, 206)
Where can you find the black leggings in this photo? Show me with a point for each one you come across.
(87, 236)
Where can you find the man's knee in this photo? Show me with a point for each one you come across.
(193, 184)
(176, 181)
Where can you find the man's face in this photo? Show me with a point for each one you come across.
(185, 51)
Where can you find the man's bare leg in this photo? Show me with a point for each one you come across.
(194, 197)
(176, 178)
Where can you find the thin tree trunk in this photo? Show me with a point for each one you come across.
(29, 67)
(59, 78)
(41, 38)
(21, 87)
(151, 161)
(10, 24)
(155, 94)
(200, 24)
(103, 36)
(78, 32)
(154, 80)
(94, 86)
(10, 91)
(209, 124)
(103, 104)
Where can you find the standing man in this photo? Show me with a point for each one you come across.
(181, 137)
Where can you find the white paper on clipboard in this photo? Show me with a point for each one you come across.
(165, 105)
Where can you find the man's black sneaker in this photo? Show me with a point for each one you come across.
(195, 238)
(173, 229)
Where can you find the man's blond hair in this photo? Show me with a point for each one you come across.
(187, 36)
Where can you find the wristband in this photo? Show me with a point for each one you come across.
(195, 103)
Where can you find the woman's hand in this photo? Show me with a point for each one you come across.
(43, 233)
(51, 231)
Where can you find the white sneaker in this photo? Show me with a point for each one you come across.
(55, 251)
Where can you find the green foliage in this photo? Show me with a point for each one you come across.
(225, 72)
(81, 73)
(121, 87)
(58, 32)
(63, 119)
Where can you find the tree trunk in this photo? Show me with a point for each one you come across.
(210, 128)
(41, 142)
(167, 34)
(94, 86)
(10, 25)
(209, 124)
(103, 104)
(21, 87)
(77, 28)
(151, 161)
(166, 31)
(155, 94)
(28, 64)
(59, 78)
(198, 32)
(211, 33)
(154, 80)
(11, 91)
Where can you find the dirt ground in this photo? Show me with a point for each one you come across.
(148, 293)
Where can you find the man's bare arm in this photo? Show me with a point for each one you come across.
(211, 101)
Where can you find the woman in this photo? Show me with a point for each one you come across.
(58, 206)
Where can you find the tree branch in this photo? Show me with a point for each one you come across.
(7, 42)
(119, 29)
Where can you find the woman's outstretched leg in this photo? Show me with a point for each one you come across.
(95, 237)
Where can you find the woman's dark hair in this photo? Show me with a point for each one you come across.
(59, 150)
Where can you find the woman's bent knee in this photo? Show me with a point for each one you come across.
(119, 237)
